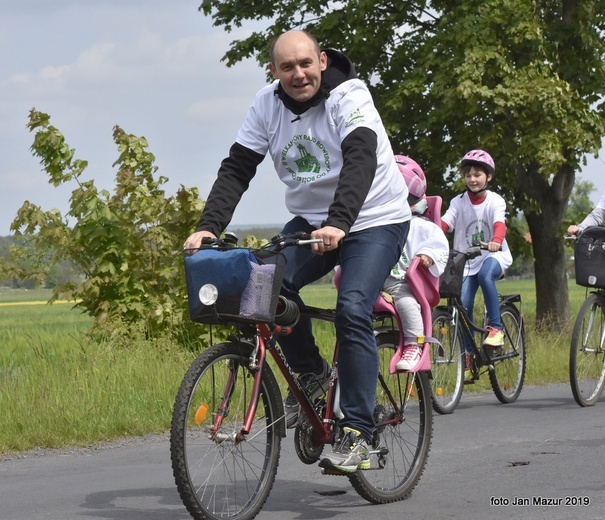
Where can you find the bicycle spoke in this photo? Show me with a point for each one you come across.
(587, 359)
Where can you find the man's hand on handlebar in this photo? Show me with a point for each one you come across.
(330, 236)
(573, 230)
(195, 240)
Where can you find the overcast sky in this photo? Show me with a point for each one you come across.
(150, 66)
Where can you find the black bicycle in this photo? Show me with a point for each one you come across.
(505, 365)
(587, 354)
(228, 419)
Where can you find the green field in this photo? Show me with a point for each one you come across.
(59, 387)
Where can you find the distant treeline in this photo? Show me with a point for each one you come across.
(65, 272)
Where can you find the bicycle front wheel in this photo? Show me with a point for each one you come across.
(220, 472)
(586, 356)
(447, 363)
(404, 428)
(508, 361)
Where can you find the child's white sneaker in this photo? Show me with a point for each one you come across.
(410, 357)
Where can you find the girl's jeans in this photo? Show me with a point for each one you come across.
(486, 279)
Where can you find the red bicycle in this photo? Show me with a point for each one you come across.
(228, 420)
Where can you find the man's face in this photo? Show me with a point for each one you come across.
(298, 66)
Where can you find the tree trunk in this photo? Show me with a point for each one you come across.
(552, 295)
(544, 221)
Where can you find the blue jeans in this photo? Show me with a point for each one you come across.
(366, 258)
(489, 272)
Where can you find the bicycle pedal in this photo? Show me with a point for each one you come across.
(328, 469)
(333, 472)
(380, 451)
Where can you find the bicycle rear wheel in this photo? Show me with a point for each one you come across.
(508, 360)
(447, 363)
(404, 428)
(586, 356)
(219, 472)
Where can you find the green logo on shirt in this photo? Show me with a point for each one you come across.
(307, 162)
(480, 233)
(355, 118)
(312, 158)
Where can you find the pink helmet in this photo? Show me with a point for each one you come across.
(479, 158)
(414, 177)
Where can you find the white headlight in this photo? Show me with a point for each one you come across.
(208, 294)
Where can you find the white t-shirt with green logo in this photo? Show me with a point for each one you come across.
(475, 222)
(307, 154)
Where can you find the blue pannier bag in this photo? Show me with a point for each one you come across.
(228, 270)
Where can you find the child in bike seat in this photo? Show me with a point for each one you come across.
(478, 216)
(426, 240)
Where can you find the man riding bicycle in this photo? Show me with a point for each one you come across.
(319, 124)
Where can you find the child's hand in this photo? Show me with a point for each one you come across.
(425, 260)
(492, 247)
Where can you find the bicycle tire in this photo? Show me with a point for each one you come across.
(393, 476)
(586, 355)
(217, 475)
(447, 363)
(508, 361)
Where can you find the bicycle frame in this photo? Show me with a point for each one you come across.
(462, 322)
(468, 328)
(266, 340)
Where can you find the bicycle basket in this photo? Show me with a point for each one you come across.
(248, 283)
(589, 258)
(450, 282)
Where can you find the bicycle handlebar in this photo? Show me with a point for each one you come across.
(295, 239)
(475, 250)
(278, 241)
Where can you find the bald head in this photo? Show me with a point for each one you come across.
(293, 37)
(297, 62)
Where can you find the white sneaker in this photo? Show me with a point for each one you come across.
(410, 357)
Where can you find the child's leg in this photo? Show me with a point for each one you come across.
(408, 309)
(488, 274)
(469, 291)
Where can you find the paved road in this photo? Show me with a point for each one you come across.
(485, 458)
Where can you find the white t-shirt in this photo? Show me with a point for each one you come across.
(424, 238)
(596, 217)
(475, 222)
(307, 155)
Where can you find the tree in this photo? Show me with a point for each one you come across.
(522, 79)
(125, 243)
(580, 204)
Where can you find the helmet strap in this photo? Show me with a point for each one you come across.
(485, 188)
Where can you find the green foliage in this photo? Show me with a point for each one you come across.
(580, 204)
(127, 243)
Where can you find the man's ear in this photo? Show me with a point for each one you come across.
(323, 61)
(273, 70)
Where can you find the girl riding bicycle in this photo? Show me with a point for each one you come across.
(478, 216)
